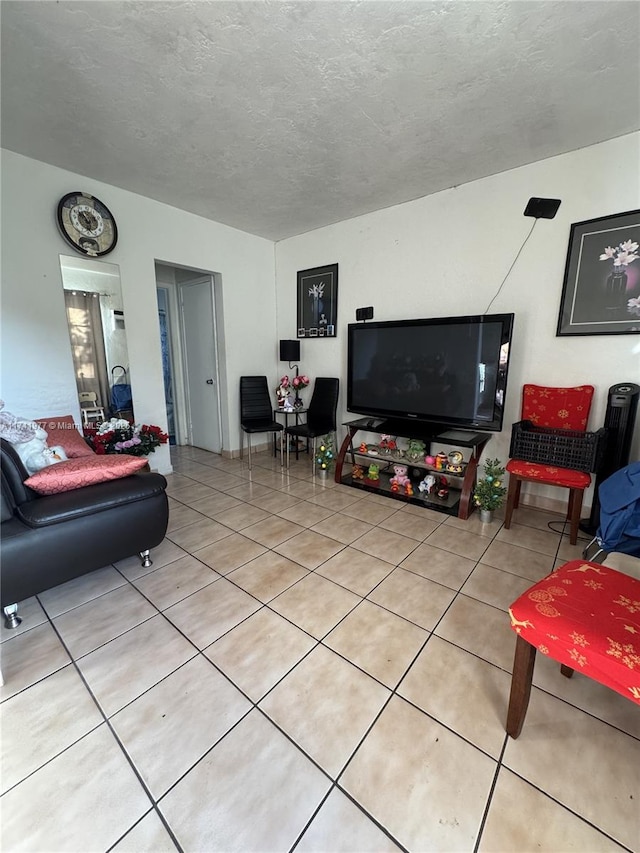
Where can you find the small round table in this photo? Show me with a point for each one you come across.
(302, 410)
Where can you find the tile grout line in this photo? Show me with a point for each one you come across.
(492, 788)
(114, 735)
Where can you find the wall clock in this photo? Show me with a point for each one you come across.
(87, 224)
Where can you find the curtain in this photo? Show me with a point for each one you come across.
(87, 343)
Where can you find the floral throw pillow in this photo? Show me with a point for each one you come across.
(62, 431)
(76, 473)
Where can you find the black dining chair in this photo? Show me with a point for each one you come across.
(321, 415)
(256, 412)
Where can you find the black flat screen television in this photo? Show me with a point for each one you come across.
(446, 372)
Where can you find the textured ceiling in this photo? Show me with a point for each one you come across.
(277, 118)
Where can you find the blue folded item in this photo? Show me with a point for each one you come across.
(619, 496)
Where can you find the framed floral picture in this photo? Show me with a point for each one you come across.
(601, 289)
(318, 302)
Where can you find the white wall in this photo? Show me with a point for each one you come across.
(446, 254)
(36, 370)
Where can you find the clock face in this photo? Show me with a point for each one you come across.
(86, 224)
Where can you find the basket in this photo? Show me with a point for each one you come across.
(566, 448)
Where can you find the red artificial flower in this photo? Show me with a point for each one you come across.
(151, 429)
(135, 441)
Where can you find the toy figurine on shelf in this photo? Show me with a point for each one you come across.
(357, 473)
(408, 489)
(415, 450)
(363, 447)
(400, 478)
(426, 486)
(443, 489)
(373, 475)
(395, 488)
(387, 444)
(441, 461)
(455, 462)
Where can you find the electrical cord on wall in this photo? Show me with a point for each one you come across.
(486, 311)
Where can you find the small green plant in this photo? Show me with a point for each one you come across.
(490, 491)
(325, 454)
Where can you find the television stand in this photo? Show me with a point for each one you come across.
(461, 484)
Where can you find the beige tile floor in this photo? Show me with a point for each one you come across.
(306, 667)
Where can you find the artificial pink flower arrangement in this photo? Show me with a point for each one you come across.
(300, 381)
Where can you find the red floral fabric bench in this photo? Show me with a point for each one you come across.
(585, 616)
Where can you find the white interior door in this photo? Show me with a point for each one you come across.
(201, 363)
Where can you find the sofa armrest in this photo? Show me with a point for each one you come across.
(14, 474)
(89, 500)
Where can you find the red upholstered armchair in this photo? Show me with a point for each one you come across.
(557, 409)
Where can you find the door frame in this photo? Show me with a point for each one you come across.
(200, 277)
(175, 360)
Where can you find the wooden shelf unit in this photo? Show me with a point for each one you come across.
(461, 486)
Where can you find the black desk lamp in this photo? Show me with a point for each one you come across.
(290, 351)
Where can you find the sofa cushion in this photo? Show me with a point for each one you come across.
(47, 510)
(549, 474)
(62, 431)
(76, 473)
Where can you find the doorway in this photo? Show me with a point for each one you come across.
(187, 313)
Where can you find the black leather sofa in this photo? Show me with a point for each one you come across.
(49, 539)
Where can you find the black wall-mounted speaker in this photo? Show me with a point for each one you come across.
(289, 350)
(364, 313)
(619, 422)
(542, 208)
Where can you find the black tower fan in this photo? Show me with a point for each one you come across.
(619, 421)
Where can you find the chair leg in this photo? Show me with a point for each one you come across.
(524, 659)
(566, 670)
(593, 552)
(288, 440)
(241, 444)
(513, 497)
(575, 508)
(11, 618)
(313, 456)
(518, 487)
(249, 447)
(281, 434)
